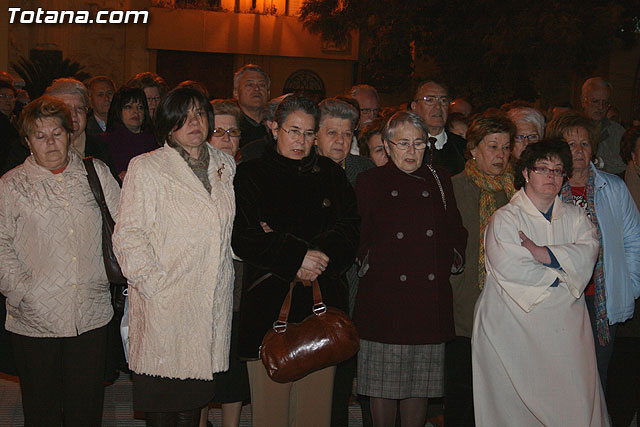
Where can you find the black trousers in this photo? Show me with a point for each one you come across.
(61, 379)
(458, 384)
(623, 394)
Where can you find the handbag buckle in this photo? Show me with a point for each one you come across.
(279, 326)
(319, 309)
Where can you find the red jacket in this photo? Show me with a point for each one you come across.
(407, 250)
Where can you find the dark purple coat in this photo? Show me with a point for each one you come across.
(407, 242)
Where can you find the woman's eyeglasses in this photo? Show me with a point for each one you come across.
(219, 132)
(543, 170)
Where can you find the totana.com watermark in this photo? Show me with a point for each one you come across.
(43, 16)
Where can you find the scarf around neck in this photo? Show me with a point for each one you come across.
(488, 185)
(199, 166)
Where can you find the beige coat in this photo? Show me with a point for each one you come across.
(51, 267)
(172, 240)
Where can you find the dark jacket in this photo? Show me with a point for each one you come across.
(310, 205)
(93, 128)
(451, 156)
(98, 148)
(354, 165)
(251, 130)
(407, 251)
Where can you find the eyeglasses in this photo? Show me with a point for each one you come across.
(543, 170)
(219, 132)
(8, 96)
(445, 101)
(604, 103)
(78, 110)
(153, 99)
(373, 111)
(297, 133)
(530, 138)
(404, 145)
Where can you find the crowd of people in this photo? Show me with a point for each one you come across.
(490, 258)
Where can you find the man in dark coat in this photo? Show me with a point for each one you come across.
(251, 87)
(431, 102)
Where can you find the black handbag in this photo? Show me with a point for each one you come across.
(114, 274)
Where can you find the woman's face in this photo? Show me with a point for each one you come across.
(194, 131)
(492, 154)
(153, 98)
(542, 183)
(226, 143)
(133, 116)
(296, 136)
(376, 150)
(49, 143)
(411, 159)
(526, 134)
(334, 138)
(578, 140)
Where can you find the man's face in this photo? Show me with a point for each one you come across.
(369, 108)
(100, 96)
(7, 101)
(595, 102)
(434, 109)
(252, 92)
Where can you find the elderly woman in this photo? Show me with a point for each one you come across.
(296, 219)
(154, 87)
(533, 359)
(404, 308)
(370, 142)
(480, 189)
(173, 243)
(128, 128)
(529, 128)
(616, 277)
(52, 273)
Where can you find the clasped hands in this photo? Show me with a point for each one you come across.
(313, 265)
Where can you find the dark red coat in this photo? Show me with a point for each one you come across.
(405, 296)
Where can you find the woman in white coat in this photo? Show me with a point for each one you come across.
(532, 347)
(172, 240)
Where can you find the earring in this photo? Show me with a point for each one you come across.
(526, 180)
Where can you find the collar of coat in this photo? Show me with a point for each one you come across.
(303, 166)
(37, 173)
(523, 201)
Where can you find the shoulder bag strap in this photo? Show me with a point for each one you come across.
(96, 188)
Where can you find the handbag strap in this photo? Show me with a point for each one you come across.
(96, 188)
(319, 307)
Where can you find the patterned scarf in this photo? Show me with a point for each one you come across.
(488, 185)
(199, 166)
(598, 273)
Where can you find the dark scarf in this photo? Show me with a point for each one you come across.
(199, 166)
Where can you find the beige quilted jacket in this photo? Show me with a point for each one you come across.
(172, 240)
(51, 267)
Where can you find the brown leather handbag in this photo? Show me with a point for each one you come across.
(289, 351)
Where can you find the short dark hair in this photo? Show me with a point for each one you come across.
(374, 127)
(43, 108)
(629, 142)
(122, 97)
(6, 85)
(491, 121)
(297, 102)
(546, 149)
(147, 79)
(173, 109)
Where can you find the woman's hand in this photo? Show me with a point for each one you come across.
(314, 262)
(539, 253)
(306, 275)
(265, 227)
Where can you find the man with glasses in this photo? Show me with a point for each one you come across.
(431, 102)
(596, 99)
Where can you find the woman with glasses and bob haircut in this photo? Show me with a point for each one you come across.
(532, 344)
(615, 280)
(412, 240)
(296, 218)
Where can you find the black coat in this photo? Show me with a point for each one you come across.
(451, 156)
(310, 205)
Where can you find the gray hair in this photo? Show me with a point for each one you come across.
(250, 67)
(332, 107)
(401, 118)
(527, 115)
(594, 81)
(364, 88)
(100, 79)
(270, 109)
(68, 86)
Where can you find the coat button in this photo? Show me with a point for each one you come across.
(429, 233)
(326, 203)
(403, 278)
(425, 193)
(394, 193)
(400, 235)
(431, 276)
